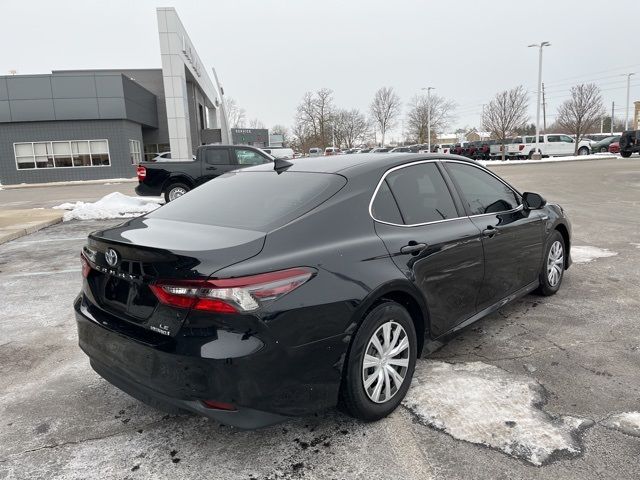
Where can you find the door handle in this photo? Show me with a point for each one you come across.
(490, 231)
(413, 248)
(211, 168)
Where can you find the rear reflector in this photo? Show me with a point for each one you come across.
(230, 295)
(86, 268)
(229, 407)
(142, 173)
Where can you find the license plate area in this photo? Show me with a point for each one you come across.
(116, 290)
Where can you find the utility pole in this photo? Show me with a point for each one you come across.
(544, 110)
(613, 111)
(428, 89)
(540, 46)
(626, 113)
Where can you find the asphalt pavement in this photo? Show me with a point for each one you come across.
(577, 353)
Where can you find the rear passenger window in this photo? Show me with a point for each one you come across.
(482, 192)
(384, 207)
(421, 194)
(217, 156)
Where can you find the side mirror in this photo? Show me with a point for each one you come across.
(533, 201)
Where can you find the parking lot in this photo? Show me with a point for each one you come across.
(532, 393)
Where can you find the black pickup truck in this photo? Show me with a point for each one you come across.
(174, 179)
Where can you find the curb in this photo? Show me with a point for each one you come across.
(22, 232)
(70, 183)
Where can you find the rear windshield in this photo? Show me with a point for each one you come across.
(259, 200)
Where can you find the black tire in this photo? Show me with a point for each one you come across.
(583, 151)
(172, 188)
(546, 287)
(625, 154)
(354, 399)
(604, 149)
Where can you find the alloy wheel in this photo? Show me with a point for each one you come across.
(555, 263)
(385, 362)
(176, 192)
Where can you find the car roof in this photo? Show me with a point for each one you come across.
(352, 165)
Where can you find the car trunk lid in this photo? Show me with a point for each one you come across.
(126, 260)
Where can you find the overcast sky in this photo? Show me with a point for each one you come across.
(269, 52)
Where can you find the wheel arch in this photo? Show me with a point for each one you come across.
(404, 294)
(180, 178)
(564, 231)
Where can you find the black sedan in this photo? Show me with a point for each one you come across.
(285, 288)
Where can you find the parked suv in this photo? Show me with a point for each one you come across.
(174, 179)
(332, 151)
(629, 143)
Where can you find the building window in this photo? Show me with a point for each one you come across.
(152, 150)
(62, 154)
(135, 152)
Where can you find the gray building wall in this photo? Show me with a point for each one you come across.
(117, 132)
(25, 98)
(196, 98)
(258, 137)
(150, 79)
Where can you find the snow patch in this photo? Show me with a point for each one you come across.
(585, 253)
(627, 422)
(484, 404)
(637, 245)
(113, 205)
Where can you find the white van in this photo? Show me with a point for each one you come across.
(279, 152)
(332, 151)
(315, 152)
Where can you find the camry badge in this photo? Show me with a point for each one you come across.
(111, 256)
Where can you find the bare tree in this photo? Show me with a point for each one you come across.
(235, 114)
(314, 118)
(506, 114)
(582, 112)
(255, 123)
(385, 110)
(417, 122)
(349, 127)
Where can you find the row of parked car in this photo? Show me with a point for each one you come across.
(523, 147)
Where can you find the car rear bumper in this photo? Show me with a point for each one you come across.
(265, 382)
(245, 418)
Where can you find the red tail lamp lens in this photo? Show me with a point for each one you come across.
(142, 173)
(230, 295)
(86, 268)
(229, 407)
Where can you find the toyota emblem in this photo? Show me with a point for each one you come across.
(111, 256)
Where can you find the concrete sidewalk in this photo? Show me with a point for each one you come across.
(18, 223)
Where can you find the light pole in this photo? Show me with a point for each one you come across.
(428, 89)
(540, 47)
(626, 113)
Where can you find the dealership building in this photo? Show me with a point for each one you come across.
(96, 124)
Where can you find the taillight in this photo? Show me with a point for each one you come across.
(230, 295)
(86, 268)
(142, 173)
(520, 147)
(212, 404)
